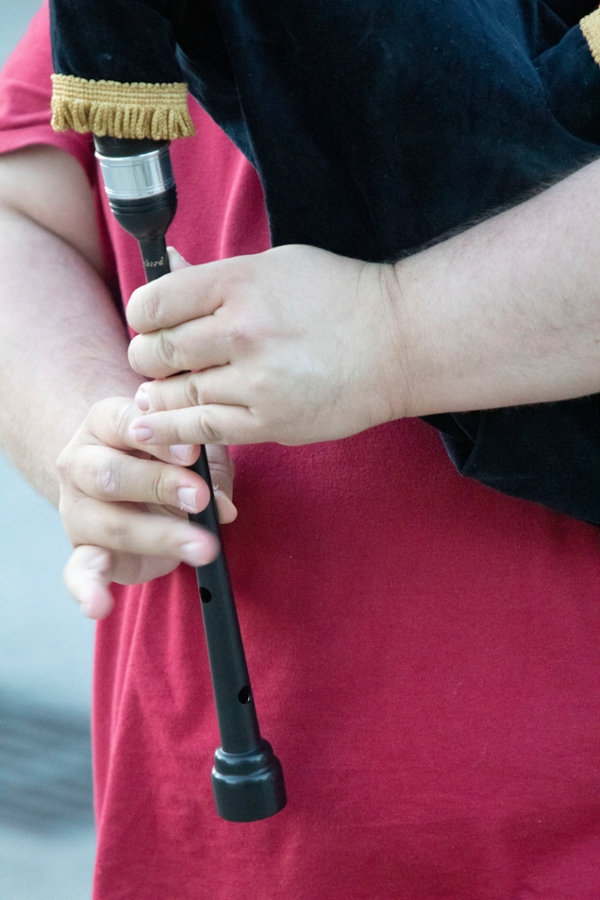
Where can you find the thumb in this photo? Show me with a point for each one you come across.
(222, 472)
(176, 260)
(87, 578)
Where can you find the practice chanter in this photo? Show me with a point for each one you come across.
(247, 778)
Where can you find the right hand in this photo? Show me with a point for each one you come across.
(125, 512)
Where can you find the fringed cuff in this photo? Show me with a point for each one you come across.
(155, 111)
(590, 26)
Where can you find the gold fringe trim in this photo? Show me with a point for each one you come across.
(590, 26)
(137, 110)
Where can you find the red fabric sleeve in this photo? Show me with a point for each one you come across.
(25, 91)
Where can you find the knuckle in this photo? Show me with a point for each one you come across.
(193, 391)
(107, 481)
(209, 428)
(118, 416)
(159, 488)
(166, 348)
(148, 307)
(245, 333)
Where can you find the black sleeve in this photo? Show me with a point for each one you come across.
(548, 452)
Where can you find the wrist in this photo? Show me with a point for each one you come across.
(502, 314)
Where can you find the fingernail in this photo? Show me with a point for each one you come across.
(182, 452)
(227, 508)
(140, 432)
(176, 260)
(196, 554)
(187, 499)
(142, 401)
(221, 495)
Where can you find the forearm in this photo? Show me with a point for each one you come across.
(507, 312)
(62, 346)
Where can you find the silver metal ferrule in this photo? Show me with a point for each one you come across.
(135, 177)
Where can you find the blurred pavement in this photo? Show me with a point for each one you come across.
(46, 828)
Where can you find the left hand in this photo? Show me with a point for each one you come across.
(294, 345)
(125, 510)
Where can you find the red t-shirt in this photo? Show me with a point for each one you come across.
(425, 652)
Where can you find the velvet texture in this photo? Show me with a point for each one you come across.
(115, 40)
(377, 126)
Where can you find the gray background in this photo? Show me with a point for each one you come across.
(46, 830)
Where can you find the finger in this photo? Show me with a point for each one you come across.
(226, 509)
(199, 344)
(211, 424)
(222, 473)
(109, 420)
(87, 576)
(90, 571)
(222, 385)
(127, 529)
(182, 295)
(113, 476)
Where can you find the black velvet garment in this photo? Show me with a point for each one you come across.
(377, 126)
